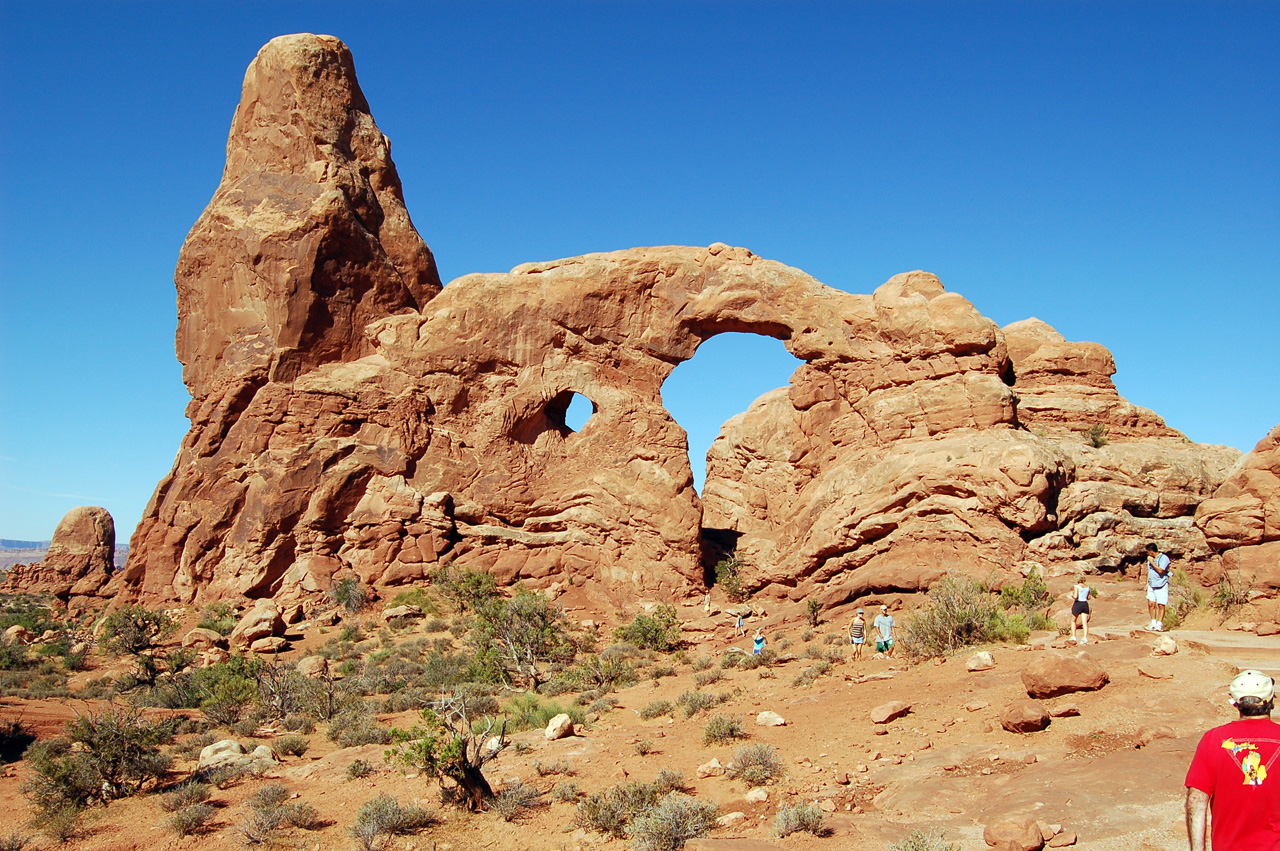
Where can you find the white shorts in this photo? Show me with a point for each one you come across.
(1159, 596)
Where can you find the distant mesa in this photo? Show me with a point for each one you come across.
(349, 416)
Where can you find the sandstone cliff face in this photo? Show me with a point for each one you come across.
(1243, 518)
(79, 563)
(348, 415)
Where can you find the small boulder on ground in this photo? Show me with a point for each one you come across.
(1165, 646)
(231, 754)
(405, 611)
(711, 769)
(1025, 716)
(262, 621)
(1054, 673)
(770, 719)
(886, 712)
(1064, 710)
(270, 644)
(203, 639)
(558, 727)
(1268, 629)
(756, 796)
(1014, 834)
(313, 666)
(981, 661)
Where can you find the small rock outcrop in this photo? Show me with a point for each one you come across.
(79, 563)
(1242, 519)
(263, 621)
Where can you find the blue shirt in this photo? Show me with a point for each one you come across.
(1158, 579)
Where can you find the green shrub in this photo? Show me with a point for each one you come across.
(415, 597)
(729, 580)
(190, 819)
(812, 612)
(921, 841)
(656, 709)
(644, 747)
(722, 728)
(354, 728)
(564, 791)
(672, 822)
(527, 712)
(693, 702)
(301, 815)
(1033, 593)
(132, 630)
(659, 631)
(297, 723)
(1096, 435)
(259, 826)
(359, 768)
(14, 841)
(757, 764)
(1231, 594)
(801, 817)
(702, 663)
(269, 796)
(290, 745)
(960, 612)
(468, 589)
(706, 678)
(218, 617)
(349, 594)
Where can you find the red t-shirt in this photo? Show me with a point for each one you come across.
(1238, 766)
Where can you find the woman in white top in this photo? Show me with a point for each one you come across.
(1080, 608)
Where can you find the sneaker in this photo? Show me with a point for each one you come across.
(1158, 627)
(1084, 641)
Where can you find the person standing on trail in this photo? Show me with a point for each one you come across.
(757, 642)
(884, 624)
(1235, 774)
(1080, 608)
(858, 634)
(1157, 587)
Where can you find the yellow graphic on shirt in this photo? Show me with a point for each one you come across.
(1250, 763)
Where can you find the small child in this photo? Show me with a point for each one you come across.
(858, 634)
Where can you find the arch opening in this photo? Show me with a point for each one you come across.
(564, 414)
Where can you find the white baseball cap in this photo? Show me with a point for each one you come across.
(1253, 684)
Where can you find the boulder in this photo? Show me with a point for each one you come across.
(1025, 716)
(1013, 834)
(1064, 710)
(79, 563)
(1149, 733)
(1052, 673)
(213, 656)
(757, 795)
(231, 754)
(1165, 646)
(558, 727)
(981, 661)
(261, 621)
(313, 666)
(405, 611)
(770, 719)
(713, 768)
(203, 639)
(886, 712)
(18, 634)
(270, 644)
(1065, 839)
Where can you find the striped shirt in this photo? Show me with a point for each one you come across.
(856, 630)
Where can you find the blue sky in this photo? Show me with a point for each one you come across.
(1111, 168)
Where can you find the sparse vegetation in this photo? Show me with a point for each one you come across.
(186, 795)
(659, 631)
(218, 617)
(1096, 435)
(290, 745)
(1231, 594)
(757, 764)
(921, 841)
(706, 678)
(812, 612)
(447, 745)
(729, 580)
(359, 768)
(190, 819)
(610, 812)
(383, 817)
(656, 709)
(721, 729)
(671, 823)
(349, 594)
(516, 800)
(960, 613)
(800, 817)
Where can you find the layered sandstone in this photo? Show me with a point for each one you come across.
(1242, 520)
(79, 563)
(348, 417)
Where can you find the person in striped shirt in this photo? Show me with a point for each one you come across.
(858, 634)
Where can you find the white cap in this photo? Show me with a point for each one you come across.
(1253, 684)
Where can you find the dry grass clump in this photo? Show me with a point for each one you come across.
(801, 817)
(722, 728)
(757, 764)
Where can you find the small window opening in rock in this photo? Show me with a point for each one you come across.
(579, 411)
(722, 379)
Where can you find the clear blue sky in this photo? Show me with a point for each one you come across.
(1111, 168)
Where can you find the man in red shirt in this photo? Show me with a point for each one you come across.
(1235, 774)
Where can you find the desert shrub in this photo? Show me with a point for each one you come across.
(61, 823)
(672, 822)
(801, 817)
(1033, 593)
(14, 841)
(297, 723)
(527, 712)
(290, 745)
(466, 589)
(1231, 594)
(921, 841)
(359, 768)
(702, 663)
(15, 738)
(132, 630)
(605, 672)
(190, 819)
(730, 659)
(1095, 435)
(657, 672)
(1184, 598)
(564, 791)
(269, 796)
(808, 676)
(383, 817)
(186, 795)
(349, 594)
(609, 812)
(721, 729)
(757, 764)
(105, 755)
(656, 709)
(545, 769)
(435, 625)
(522, 633)
(693, 702)
(415, 597)
(218, 617)
(812, 612)
(245, 728)
(258, 826)
(301, 815)
(960, 613)
(225, 691)
(515, 800)
(729, 580)
(354, 728)
(706, 678)
(751, 661)
(659, 631)
(13, 655)
(644, 747)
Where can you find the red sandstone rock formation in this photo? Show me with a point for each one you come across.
(345, 417)
(1243, 517)
(79, 563)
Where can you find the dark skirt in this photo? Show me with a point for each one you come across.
(1079, 607)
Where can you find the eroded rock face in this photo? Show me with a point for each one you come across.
(1243, 518)
(349, 417)
(79, 563)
